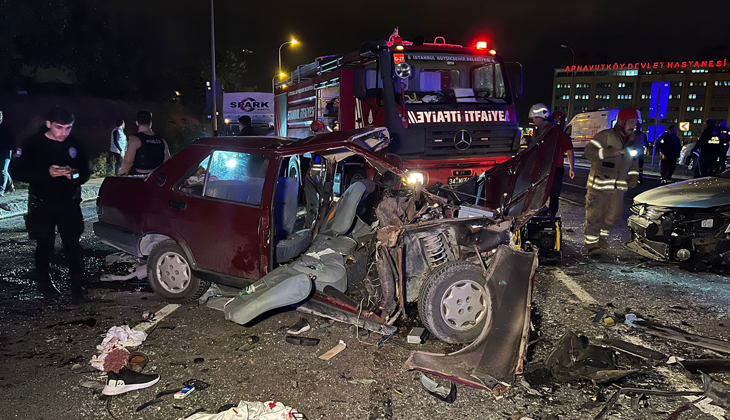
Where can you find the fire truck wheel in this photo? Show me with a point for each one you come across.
(170, 274)
(455, 302)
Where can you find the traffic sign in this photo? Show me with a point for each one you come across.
(684, 126)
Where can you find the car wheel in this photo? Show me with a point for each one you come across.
(455, 302)
(171, 276)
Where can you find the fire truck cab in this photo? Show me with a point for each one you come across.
(449, 108)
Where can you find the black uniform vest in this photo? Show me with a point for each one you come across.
(151, 152)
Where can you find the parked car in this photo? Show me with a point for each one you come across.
(687, 221)
(686, 157)
(228, 212)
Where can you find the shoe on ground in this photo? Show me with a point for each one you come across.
(299, 328)
(602, 243)
(127, 380)
(48, 290)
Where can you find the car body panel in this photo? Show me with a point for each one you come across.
(698, 193)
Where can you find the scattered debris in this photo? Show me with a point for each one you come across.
(439, 392)
(706, 365)
(250, 343)
(89, 322)
(96, 386)
(609, 321)
(417, 335)
(270, 410)
(630, 319)
(184, 392)
(137, 361)
(148, 316)
(634, 350)
(198, 360)
(333, 351)
(676, 334)
(302, 341)
(361, 381)
(573, 358)
(79, 368)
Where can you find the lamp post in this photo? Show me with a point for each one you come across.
(281, 75)
(572, 85)
(212, 65)
(293, 42)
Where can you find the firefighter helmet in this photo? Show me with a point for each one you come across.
(317, 126)
(626, 114)
(539, 110)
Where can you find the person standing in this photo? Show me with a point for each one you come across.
(614, 169)
(725, 141)
(244, 126)
(145, 150)
(669, 148)
(7, 146)
(55, 165)
(540, 114)
(638, 141)
(118, 145)
(710, 148)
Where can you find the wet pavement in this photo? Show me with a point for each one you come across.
(40, 341)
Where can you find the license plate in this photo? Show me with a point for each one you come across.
(456, 180)
(707, 223)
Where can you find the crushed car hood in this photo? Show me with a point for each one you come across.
(696, 193)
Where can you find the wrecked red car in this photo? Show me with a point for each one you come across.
(224, 210)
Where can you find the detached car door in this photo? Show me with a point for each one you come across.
(222, 213)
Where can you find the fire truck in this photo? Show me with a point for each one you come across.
(449, 108)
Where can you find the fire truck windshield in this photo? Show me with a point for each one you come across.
(462, 79)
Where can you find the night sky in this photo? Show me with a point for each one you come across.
(177, 33)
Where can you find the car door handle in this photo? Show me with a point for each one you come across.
(180, 205)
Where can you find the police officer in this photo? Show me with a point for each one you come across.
(55, 165)
(669, 148)
(614, 168)
(710, 148)
(145, 150)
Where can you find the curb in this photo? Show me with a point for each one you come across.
(17, 204)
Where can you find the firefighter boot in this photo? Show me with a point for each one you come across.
(603, 240)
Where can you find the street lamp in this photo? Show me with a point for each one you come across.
(572, 85)
(281, 76)
(293, 42)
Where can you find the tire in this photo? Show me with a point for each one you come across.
(437, 297)
(170, 286)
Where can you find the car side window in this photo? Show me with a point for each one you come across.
(193, 184)
(238, 177)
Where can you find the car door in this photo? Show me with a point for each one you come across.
(222, 213)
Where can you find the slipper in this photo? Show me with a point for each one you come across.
(137, 361)
(300, 327)
(302, 341)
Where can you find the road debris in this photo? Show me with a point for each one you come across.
(334, 351)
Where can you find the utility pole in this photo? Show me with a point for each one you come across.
(572, 84)
(212, 65)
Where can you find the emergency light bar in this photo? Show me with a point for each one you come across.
(482, 45)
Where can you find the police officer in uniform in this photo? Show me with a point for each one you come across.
(614, 169)
(145, 150)
(55, 165)
(669, 148)
(710, 148)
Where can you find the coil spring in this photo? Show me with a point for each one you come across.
(435, 250)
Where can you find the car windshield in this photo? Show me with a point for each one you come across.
(437, 78)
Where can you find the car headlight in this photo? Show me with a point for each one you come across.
(415, 178)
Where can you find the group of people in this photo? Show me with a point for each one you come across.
(711, 149)
(55, 165)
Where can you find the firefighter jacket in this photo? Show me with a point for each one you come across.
(612, 166)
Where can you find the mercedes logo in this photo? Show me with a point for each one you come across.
(462, 140)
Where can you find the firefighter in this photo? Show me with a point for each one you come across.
(614, 169)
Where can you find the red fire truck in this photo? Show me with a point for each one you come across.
(449, 108)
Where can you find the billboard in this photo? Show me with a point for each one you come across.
(258, 105)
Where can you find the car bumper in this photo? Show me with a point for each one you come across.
(123, 239)
(642, 245)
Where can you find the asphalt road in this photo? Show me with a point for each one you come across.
(40, 341)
